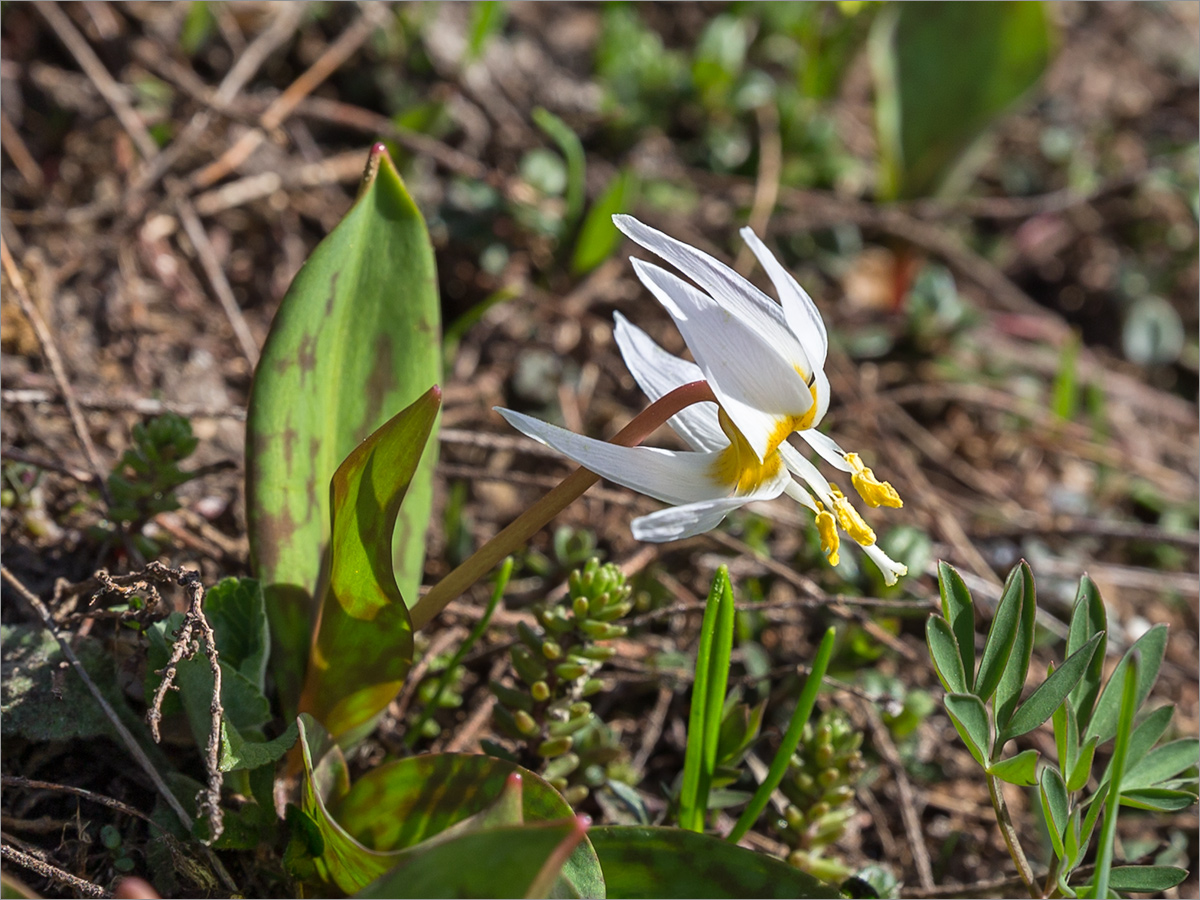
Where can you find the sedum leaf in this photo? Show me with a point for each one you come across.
(641, 861)
(363, 644)
(354, 340)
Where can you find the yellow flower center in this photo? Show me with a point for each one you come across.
(738, 464)
(873, 491)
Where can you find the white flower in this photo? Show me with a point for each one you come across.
(764, 362)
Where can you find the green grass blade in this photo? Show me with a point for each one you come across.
(718, 683)
(691, 812)
(572, 148)
(791, 738)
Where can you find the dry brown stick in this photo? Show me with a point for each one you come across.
(246, 64)
(14, 146)
(335, 55)
(908, 808)
(54, 873)
(36, 785)
(141, 405)
(131, 744)
(194, 621)
(54, 359)
(216, 276)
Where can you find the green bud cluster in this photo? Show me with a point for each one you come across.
(555, 665)
(819, 786)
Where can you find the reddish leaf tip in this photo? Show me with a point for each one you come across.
(514, 780)
(378, 149)
(583, 823)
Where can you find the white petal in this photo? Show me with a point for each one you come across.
(800, 466)
(827, 448)
(696, 518)
(797, 492)
(801, 313)
(727, 286)
(753, 377)
(666, 475)
(657, 372)
(888, 566)
(678, 522)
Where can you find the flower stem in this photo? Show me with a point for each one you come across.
(1010, 836)
(533, 519)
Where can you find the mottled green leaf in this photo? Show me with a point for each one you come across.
(406, 802)
(1088, 618)
(1020, 769)
(363, 645)
(970, 719)
(959, 611)
(641, 861)
(943, 650)
(1001, 636)
(1151, 646)
(354, 340)
(1051, 693)
(943, 73)
(599, 237)
(1012, 681)
(513, 861)
(1055, 807)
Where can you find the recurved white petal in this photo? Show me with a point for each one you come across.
(801, 313)
(696, 518)
(666, 475)
(714, 276)
(755, 378)
(806, 471)
(657, 373)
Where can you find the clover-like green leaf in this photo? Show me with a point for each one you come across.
(1001, 636)
(970, 719)
(944, 651)
(959, 611)
(1051, 693)
(1151, 646)
(641, 861)
(1088, 618)
(354, 340)
(1012, 680)
(1020, 769)
(1053, 794)
(362, 647)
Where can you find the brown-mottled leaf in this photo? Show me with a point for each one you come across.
(362, 647)
(354, 340)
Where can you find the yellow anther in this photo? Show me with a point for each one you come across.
(873, 491)
(850, 520)
(827, 529)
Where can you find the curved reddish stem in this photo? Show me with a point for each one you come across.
(567, 491)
